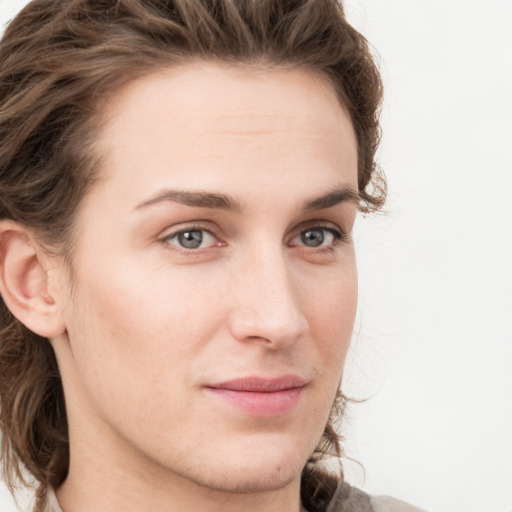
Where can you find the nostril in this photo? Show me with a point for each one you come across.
(276, 330)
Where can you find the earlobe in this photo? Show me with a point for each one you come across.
(24, 283)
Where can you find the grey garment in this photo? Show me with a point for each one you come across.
(345, 499)
(388, 504)
(350, 499)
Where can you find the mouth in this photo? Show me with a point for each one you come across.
(260, 397)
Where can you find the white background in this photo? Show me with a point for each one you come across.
(433, 348)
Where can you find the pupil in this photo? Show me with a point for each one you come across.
(313, 237)
(190, 239)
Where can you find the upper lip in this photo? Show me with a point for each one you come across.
(262, 385)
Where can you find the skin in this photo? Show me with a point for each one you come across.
(148, 325)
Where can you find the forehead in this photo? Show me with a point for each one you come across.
(206, 124)
(198, 89)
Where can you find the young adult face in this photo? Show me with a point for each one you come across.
(214, 279)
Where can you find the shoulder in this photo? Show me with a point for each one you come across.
(350, 499)
(388, 504)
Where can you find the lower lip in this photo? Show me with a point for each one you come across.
(262, 405)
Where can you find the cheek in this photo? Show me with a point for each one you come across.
(331, 313)
(332, 304)
(135, 333)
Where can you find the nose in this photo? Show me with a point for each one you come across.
(267, 307)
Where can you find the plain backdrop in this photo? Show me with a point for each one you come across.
(432, 352)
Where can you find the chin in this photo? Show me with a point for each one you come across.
(264, 468)
(250, 481)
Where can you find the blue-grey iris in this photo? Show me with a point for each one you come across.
(190, 239)
(313, 237)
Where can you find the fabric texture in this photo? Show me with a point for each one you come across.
(345, 499)
(388, 504)
(350, 499)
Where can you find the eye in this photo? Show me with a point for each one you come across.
(191, 239)
(318, 237)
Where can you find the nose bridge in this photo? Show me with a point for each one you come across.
(267, 306)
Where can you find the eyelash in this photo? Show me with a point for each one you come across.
(339, 237)
(189, 229)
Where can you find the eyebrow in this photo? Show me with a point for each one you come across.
(196, 198)
(219, 201)
(345, 194)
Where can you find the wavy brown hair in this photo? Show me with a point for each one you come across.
(60, 60)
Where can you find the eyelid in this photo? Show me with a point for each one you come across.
(339, 234)
(183, 228)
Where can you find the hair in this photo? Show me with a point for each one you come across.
(60, 60)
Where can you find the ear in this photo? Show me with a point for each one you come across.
(24, 281)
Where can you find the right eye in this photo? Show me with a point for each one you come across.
(191, 239)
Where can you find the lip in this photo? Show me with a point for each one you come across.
(260, 397)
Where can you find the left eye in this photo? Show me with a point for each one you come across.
(192, 239)
(317, 237)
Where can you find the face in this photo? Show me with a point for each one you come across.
(214, 287)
